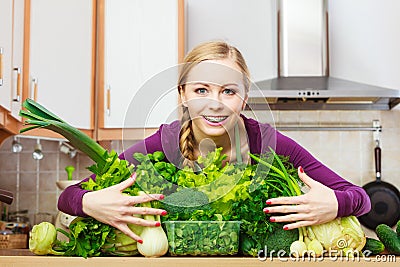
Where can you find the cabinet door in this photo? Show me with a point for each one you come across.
(364, 41)
(248, 25)
(141, 51)
(5, 53)
(61, 45)
(17, 58)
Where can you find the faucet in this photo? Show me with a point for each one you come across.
(6, 196)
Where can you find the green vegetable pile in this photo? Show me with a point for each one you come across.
(213, 192)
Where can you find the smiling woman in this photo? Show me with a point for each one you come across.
(213, 84)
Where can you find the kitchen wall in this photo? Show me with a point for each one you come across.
(349, 153)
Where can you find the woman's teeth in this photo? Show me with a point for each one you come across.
(215, 118)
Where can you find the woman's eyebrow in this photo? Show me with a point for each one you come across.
(199, 83)
(230, 84)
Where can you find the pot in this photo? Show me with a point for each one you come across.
(385, 199)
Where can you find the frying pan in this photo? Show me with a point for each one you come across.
(385, 199)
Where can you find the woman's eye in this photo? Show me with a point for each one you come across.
(228, 91)
(201, 90)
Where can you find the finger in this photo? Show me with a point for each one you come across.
(125, 229)
(294, 217)
(124, 184)
(287, 200)
(147, 211)
(287, 209)
(297, 224)
(141, 221)
(149, 197)
(304, 177)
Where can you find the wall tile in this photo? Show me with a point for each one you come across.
(27, 163)
(27, 201)
(308, 117)
(48, 202)
(8, 181)
(8, 162)
(49, 146)
(328, 117)
(390, 119)
(28, 181)
(49, 161)
(47, 182)
(289, 117)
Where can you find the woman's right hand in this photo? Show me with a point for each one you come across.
(110, 206)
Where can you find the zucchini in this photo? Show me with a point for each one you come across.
(374, 246)
(389, 238)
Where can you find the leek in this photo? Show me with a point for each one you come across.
(38, 116)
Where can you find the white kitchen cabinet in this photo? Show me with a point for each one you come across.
(11, 46)
(61, 58)
(17, 58)
(6, 17)
(248, 25)
(364, 41)
(140, 63)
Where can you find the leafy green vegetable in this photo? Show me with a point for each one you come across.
(203, 238)
(341, 234)
(182, 204)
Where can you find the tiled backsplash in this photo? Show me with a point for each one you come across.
(349, 153)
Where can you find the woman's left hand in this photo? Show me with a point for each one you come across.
(318, 205)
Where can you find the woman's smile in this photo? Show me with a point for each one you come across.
(215, 120)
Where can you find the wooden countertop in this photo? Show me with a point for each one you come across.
(49, 261)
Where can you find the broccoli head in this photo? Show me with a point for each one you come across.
(181, 204)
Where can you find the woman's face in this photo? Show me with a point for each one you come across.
(214, 95)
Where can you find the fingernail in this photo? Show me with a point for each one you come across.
(266, 210)
(301, 169)
(268, 202)
(164, 213)
(157, 224)
(140, 241)
(133, 176)
(161, 197)
(285, 228)
(272, 219)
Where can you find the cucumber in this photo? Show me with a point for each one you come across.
(389, 238)
(374, 246)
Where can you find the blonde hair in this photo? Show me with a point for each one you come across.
(205, 51)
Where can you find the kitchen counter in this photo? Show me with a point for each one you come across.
(49, 261)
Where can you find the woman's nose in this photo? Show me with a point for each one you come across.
(215, 103)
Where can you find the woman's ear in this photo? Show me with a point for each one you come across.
(245, 102)
(182, 95)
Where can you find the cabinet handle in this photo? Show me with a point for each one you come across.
(108, 110)
(18, 83)
(1, 66)
(34, 89)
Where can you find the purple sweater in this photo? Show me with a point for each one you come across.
(352, 199)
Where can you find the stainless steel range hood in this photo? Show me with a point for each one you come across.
(303, 81)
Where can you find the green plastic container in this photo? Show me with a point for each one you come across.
(203, 238)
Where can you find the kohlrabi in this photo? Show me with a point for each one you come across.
(42, 239)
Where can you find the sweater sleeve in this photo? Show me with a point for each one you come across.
(70, 200)
(352, 199)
